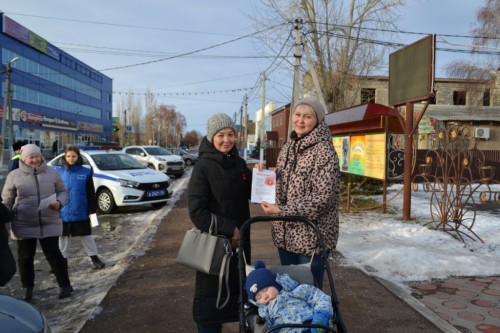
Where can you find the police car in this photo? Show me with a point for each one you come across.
(121, 180)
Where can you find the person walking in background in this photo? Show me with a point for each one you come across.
(220, 184)
(54, 148)
(14, 161)
(7, 261)
(307, 185)
(81, 204)
(23, 192)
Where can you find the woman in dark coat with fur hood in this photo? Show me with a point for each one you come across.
(220, 184)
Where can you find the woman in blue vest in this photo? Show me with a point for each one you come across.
(81, 204)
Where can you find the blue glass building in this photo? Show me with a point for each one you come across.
(54, 95)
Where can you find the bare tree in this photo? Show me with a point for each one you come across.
(191, 139)
(149, 124)
(487, 31)
(481, 76)
(340, 36)
(170, 125)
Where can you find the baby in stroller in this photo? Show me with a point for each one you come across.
(282, 300)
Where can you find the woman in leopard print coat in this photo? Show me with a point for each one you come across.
(308, 185)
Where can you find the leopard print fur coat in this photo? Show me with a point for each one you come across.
(307, 185)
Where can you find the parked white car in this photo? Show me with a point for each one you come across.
(158, 158)
(121, 180)
(188, 157)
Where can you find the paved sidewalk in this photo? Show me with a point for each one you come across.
(471, 304)
(155, 294)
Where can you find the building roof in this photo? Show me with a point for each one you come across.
(364, 117)
(460, 113)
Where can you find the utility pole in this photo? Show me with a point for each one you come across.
(7, 110)
(246, 127)
(314, 75)
(296, 70)
(125, 135)
(262, 117)
(241, 128)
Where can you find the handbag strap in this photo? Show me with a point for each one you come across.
(213, 225)
(224, 270)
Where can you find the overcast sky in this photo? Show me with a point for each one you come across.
(112, 33)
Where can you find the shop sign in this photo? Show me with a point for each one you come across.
(59, 123)
(82, 126)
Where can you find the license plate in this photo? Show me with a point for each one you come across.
(176, 168)
(157, 193)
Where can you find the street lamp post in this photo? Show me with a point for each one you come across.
(7, 109)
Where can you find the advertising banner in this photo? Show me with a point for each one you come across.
(362, 155)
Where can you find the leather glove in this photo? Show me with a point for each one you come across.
(320, 318)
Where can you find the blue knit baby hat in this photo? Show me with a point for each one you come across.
(259, 279)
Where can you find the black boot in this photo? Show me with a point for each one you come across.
(97, 262)
(28, 294)
(65, 292)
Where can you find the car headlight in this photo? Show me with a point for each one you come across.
(128, 183)
(160, 159)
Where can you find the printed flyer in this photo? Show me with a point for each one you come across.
(263, 186)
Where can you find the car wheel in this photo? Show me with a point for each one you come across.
(188, 162)
(158, 204)
(106, 202)
(151, 166)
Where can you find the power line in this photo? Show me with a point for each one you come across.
(191, 52)
(124, 25)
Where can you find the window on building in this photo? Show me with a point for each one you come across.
(459, 98)
(486, 98)
(367, 95)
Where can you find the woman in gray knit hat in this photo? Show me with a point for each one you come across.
(24, 188)
(220, 185)
(308, 185)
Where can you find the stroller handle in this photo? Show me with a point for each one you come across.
(256, 219)
(241, 267)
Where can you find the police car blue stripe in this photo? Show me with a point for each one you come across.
(100, 175)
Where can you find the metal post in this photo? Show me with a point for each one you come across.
(312, 69)
(246, 128)
(240, 134)
(7, 109)
(262, 118)
(296, 70)
(125, 129)
(408, 161)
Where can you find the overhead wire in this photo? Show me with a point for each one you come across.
(191, 52)
(283, 58)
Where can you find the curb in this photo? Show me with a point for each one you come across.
(439, 322)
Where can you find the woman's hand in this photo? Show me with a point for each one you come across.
(259, 166)
(269, 208)
(234, 239)
(56, 205)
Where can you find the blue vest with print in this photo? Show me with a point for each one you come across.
(75, 179)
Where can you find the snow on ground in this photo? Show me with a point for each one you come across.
(380, 244)
(118, 243)
(402, 251)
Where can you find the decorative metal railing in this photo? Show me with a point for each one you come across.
(447, 174)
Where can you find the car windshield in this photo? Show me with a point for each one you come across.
(157, 151)
(116, 162)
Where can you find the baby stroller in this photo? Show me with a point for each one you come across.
(250, 321)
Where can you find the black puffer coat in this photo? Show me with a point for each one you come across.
(219, 184)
